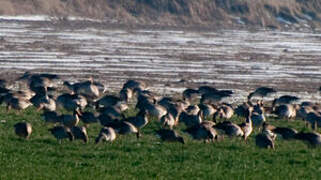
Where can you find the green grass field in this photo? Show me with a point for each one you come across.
(41, 157)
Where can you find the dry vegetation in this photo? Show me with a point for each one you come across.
(178, 12)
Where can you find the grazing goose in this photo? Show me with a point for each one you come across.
(61, 132)
(243, 109)
(51, 117)
(155, 110)
(203, 131)
(304, 111)
(261, 92)
(88, 118)
(192, 110)
(285, 111)
(107, 121)
(71, 102)
(170, 136)
(224, 112)
(312, 138)
(43, 102)
(69, 120)
(285, 132)
(229, 128)
(23, 129)
(107, 134)
(139, 121)
(17, 103)
(213, 98)
(80, 133)
(264, 141)
(128, 128)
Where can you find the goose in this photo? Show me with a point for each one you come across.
(285, 111)
(304, 111)
(229, 128)
(247, 127)
(312, 138)
(155, 110)
(192, 110)
(17, 103)
(23, 129)
(51, 117)
(107, 134)
(189, 95)
(107, 101)
(314, 118)
(168, 120)
(261, 92)
(242, 110)
(224, 112)
(285, 132)
(286, 99)
(89, 89)
(61, 132)
(264, 141)
(69, 120)
(203, 131)
(126, 94)
(88, 118)
(190, 120)
(107, 121)
(80, 133)
(214, 98)
(39, 80)
(207, 110)
(127, 128)
(135, 84)
(139, 121)
(43, 102)
(170, 135)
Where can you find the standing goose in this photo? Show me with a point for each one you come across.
(286, 99)
(168, 120)
(207, 110)
(247, 127)
(190, 95)
(314, 118)
(23, 129)
(61, 132)
(126, 94)
(261, 92)
(107, 134)
(71, 102)
(190, 120)
(86, 88)
(80, 133)
(170, 136)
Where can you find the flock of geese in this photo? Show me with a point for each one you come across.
(202, 110)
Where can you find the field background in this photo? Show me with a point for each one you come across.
(201, 13)
(42, 157)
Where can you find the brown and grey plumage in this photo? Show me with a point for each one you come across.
(88, 117)
(190, 95)
(190, 120)
(312, 138)
(168, 121)
(139, 121)
(170, 135)
(69, 120)
(286, 99)
(261, 92)
(23, 129)
(285, 111)
(264, 141)
(107, 134)
(80, 133)
(229, 128)
(128, 128)
(203, 131)
(61, 132)
(247, 127)
(51, 117)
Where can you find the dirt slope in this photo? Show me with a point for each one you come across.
(229, 13)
